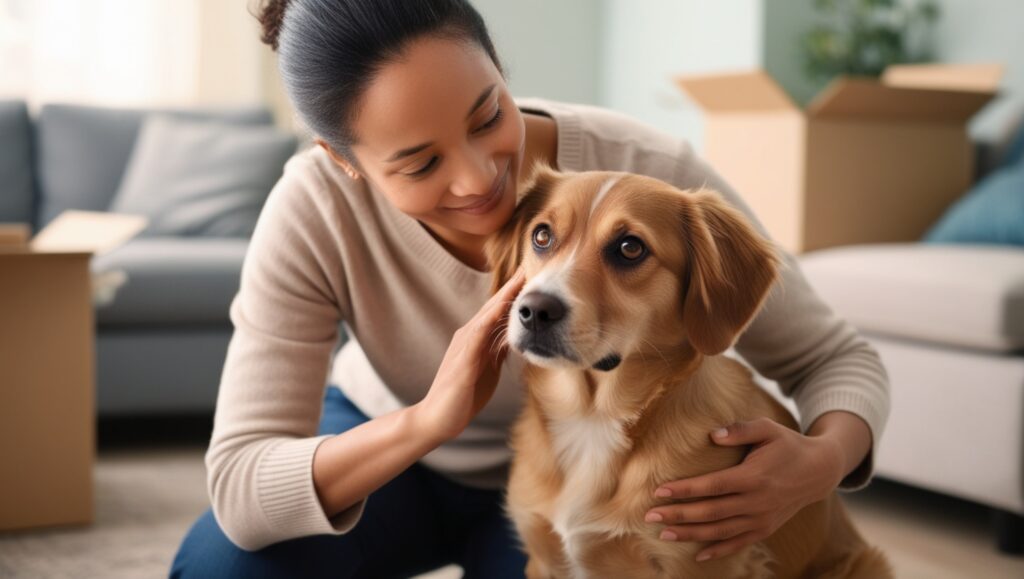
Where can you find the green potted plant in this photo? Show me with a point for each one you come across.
(862, 37)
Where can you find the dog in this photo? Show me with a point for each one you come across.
(634, 289)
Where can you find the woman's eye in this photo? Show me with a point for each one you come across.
(542, 237)
(425, 169)
(494, 120)
(631, 248)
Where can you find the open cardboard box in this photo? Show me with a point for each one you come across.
(47, 368)
(867, 161)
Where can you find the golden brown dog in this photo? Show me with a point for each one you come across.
(633, 290)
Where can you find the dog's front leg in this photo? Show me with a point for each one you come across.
(543, 547)
(537, 570)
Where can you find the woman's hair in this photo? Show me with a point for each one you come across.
(330, 50)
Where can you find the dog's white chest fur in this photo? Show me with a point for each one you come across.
(586, 448)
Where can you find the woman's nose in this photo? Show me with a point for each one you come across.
(476, 174)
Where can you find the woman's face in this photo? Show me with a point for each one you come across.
(438, 134)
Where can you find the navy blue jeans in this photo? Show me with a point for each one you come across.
(418, 522)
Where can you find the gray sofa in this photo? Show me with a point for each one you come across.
(161, 343)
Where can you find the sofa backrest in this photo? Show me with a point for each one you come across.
(82, 151)
(17, 184)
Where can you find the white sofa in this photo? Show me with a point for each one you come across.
(948, 322)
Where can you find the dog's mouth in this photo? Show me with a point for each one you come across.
(545, 346)
(551, 350)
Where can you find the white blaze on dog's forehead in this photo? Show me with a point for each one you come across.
(550, 280)
(602, 192)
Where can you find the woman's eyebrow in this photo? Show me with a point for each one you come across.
(409, 151)
(481, 99)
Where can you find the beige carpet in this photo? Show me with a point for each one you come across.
(147, 498)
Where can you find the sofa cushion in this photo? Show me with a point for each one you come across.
(201, 177)
(16, 182)
(991, 212)
(82, 151)
(173, 280)
(963, 295)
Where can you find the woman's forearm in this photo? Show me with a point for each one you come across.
(353, 464)
(849, 431)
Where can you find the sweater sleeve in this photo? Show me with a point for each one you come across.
(817, 358)
(286, 316)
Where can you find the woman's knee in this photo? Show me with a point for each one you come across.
(207, 552)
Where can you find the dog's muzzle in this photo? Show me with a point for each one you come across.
(541, 315)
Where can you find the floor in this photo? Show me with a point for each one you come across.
(149, 492)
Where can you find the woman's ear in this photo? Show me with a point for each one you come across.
(339, 159)
(504, 249)
(730, 271)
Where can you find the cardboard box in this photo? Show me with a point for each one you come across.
(47, 368)
(867, 161)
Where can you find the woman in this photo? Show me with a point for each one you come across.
(381, 226)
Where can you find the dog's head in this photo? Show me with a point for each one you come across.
(620, 264)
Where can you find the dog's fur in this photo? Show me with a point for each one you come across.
(597, 437)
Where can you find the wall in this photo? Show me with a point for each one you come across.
(785, 21)
(987, 31)
(549, 48)
(647, 42)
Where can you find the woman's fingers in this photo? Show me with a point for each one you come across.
(480, 332)
(719, 531)
(704, 511)
(734, 479)
(502, 298)
(492, 312)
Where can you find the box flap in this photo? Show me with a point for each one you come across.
(87, 231)
(958, 77)
(753, 91)
(14, 236)
(852, 97)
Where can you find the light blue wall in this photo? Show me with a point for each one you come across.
(623, 53)
(647, 42)
(987, 31)
(550, 48)
(785, 22)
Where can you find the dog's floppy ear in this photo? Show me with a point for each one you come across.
(730, 271)
(504, 248)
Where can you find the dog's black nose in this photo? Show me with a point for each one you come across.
(539, 311)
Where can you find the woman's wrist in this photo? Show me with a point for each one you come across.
(849, 433)
(421, 427)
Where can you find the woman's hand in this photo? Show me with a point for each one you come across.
(471, 367)
(735, 507)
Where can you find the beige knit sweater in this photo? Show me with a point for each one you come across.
(329, 250)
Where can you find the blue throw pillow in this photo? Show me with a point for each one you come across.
(991, 212)
(201, 177)
(1015, 152)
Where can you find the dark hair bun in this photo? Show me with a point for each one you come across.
(271, 17)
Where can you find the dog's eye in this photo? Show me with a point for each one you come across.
(631, 248)
(542, 237)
